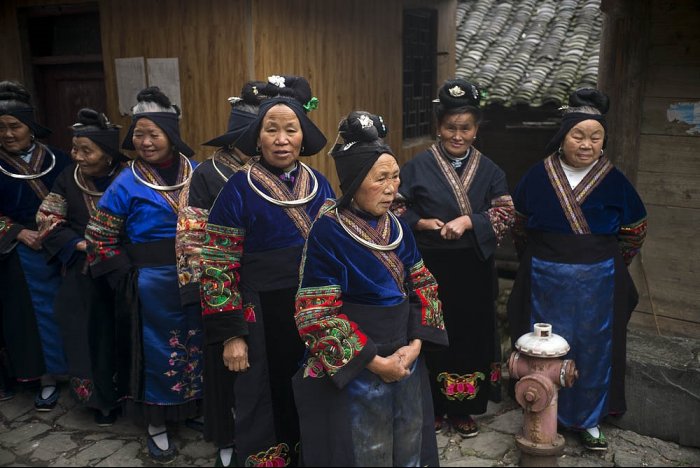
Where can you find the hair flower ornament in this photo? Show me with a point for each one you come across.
(475, 92)
(457, 91)
(311, 105)
(365, 121)
(276, 80)
(234, 99)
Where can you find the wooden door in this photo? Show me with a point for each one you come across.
(64, 89)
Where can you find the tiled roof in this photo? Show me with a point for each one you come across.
(528, 51)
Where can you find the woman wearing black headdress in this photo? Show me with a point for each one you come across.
(196, 199)
(459, 208)
(28, 170)
(131, 242)
(255, 236)
(579, 223)
(84, 307)
(365, 307)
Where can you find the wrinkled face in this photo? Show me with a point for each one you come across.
(15, 136)
(380, 186)
(151, 143)
(457, 132)
(280, 137)
(93, 162)
(583, 143)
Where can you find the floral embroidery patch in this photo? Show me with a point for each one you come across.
(184, 364)
(82, 388)
(274, 456)
(460, 387)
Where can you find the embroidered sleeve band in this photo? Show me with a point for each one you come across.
(102, 234)
(52, 213)
(425, 286)
(222, 249)
(331, 338)
(630, 239)
(191, 224)
(501, 214)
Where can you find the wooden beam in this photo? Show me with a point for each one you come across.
(622, 75)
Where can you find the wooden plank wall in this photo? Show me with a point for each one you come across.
(356, 65)
(351, 52)
(207, 36)
(668, 176)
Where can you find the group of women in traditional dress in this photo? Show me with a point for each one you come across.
(293, 327)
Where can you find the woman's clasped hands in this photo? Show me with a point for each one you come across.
(396, 366)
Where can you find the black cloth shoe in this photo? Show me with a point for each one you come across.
(49, 403)
(195, 425)
(159, 455)
(464, 426)
(106, 420)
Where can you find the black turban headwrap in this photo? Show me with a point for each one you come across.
(26, 116)
(238, 122)
(313, 139)
(458, 93)
(95, 126)
(169, 122)
(15, 100)
(584, 97)
(239, 119)
(362, 133)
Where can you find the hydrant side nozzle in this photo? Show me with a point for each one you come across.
(535, 392)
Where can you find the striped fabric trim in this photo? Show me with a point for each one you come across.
(594, 177)
(380, 235)
(33, 167)
(567, 199)
(571, 200)
(90, 200)
(222, 155)
(150, 174)
(279, 190)
(460, 186)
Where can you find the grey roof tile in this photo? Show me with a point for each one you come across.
(528, 51)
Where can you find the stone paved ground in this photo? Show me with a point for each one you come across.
(68, 436)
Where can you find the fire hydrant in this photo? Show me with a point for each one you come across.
(540, 374)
